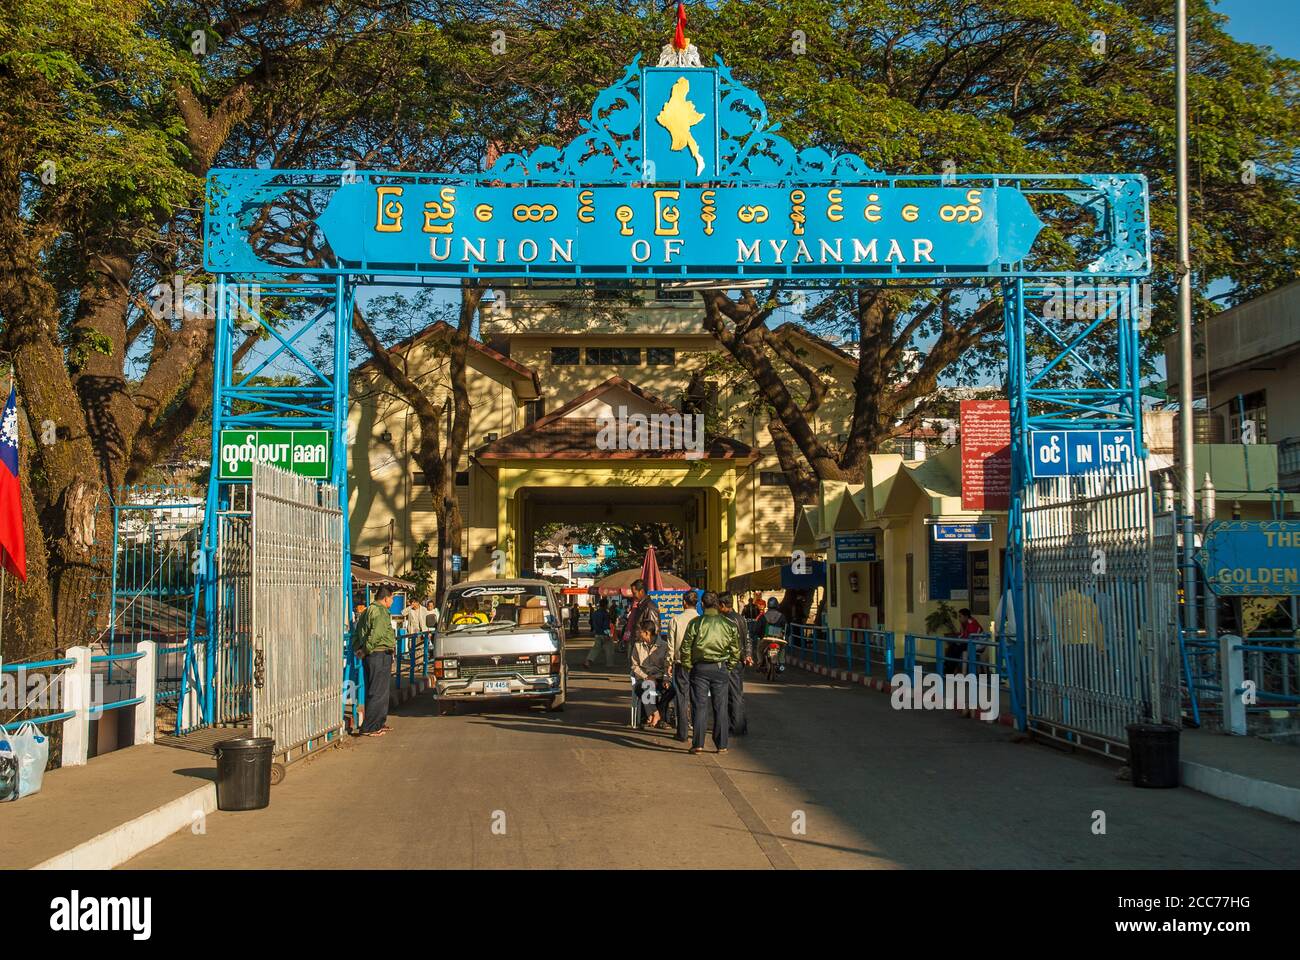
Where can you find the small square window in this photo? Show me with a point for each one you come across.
(660, 356)
(565, 356)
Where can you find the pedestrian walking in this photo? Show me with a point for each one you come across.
(710, 651)
(413, 617)
(677, 674)
(739, 721)
(374, 640)
(603, 643)
(573, 617)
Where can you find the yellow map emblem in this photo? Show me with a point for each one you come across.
(677, 117)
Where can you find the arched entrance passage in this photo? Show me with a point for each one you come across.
(696, 497)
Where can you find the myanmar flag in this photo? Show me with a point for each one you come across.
(13, 548)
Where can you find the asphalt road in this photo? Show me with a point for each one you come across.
(830, 777)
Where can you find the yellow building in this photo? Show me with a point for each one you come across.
(555, 373)
(903, 519)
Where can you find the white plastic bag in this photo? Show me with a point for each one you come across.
(31, 751)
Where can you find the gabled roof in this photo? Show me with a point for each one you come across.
(442, 328)
(838, 354)
(562, 435)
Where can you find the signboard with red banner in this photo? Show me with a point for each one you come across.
(985, 454)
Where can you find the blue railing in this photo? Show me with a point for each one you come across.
(844, 648)
(61, 664)
(978, 653)
(1270, 663)
(15, 668)
(412, 657)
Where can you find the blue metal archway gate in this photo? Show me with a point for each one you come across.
(679, 174)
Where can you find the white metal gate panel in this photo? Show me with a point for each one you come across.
(298, 616)
(1100, 597)
(232, 653)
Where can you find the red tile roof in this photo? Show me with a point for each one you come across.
(563, 437)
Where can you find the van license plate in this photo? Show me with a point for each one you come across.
(496, 686)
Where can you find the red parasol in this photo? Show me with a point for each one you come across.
(650, 571)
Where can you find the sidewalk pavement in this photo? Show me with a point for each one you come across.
(102, 814)
(98, 816)
(1244, 770)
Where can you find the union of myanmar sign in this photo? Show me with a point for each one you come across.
(679, 172)
(706, 230)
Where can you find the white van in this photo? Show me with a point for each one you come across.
(500, 640)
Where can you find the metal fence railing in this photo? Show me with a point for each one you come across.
(66, 693)
(1268, 668)
(844, 648)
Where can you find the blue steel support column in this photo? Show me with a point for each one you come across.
(1013, 308)
(344, 292)
(202, 673)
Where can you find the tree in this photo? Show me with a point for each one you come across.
(916, 85)
(439, 450)
(110, 115)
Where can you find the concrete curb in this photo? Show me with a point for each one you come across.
(1274, 798)
(409, 689)
(872, 683)
(118, 845)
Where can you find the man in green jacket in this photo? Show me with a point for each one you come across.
(710, 650)
(374, 640)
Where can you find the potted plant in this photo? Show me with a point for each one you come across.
(941, 621)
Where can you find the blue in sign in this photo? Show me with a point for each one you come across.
(1066, 453)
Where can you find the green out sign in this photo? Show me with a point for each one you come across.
(304, 452)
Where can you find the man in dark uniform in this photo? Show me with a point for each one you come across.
(736, 705)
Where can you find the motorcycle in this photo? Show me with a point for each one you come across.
(772, 656)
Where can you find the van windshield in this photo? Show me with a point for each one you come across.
(475, 606)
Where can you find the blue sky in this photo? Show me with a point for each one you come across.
(1271, 23)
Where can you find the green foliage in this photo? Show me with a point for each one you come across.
(424, 570)
(942, 620)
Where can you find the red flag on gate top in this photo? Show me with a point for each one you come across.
(679, 37)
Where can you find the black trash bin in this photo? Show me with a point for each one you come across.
(1153, 754)
(244, 773)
